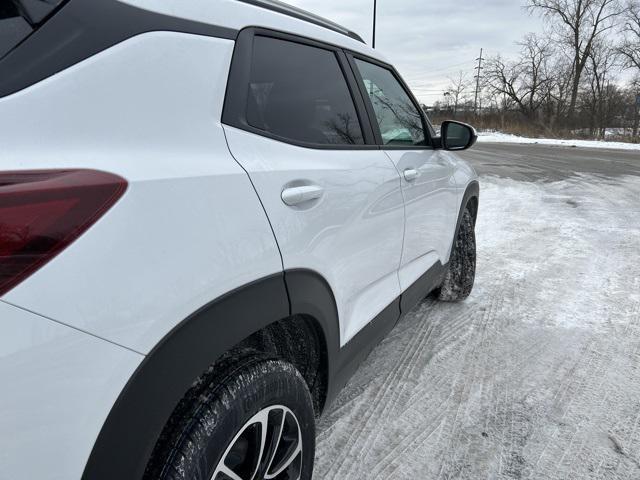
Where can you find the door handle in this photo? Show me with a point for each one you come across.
(410, 174)
(297, 195)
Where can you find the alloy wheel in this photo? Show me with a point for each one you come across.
(267, 447)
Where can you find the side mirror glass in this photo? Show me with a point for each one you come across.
(457, 135)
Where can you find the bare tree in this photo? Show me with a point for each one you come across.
(578, 24)
(503, 79)
(526, 81)
(635, 87)
(630, 47)
(534, 64)
(599, 71)
(457, 86)
(568, 81)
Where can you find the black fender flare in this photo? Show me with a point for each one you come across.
(128, 436)
(472, 192)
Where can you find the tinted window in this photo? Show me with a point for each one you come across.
(13, 27)
(19, 18)
(399, 119)
(300, 93)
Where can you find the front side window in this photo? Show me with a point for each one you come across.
(399, 120)
(299, 93)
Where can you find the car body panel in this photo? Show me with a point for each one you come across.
(58, 386)
(159, 254)
(431, 206)
(361, 200)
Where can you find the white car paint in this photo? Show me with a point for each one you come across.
(58, 385)
(159, 254)
(360, 216)
(431, 206)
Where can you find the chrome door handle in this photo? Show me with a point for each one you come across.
(410, 174)
(297, 195)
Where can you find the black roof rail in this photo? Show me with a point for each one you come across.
(280, 7)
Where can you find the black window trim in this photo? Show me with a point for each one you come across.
(236, 96)
(351, 56)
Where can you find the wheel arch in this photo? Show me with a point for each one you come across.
(129, 434)
(470, 198)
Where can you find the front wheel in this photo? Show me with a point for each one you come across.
(460, 276)
(254, 421)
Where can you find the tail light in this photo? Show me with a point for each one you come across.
(43, 211)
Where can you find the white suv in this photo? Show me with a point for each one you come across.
(210, 212)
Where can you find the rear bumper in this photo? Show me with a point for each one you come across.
(57, 387)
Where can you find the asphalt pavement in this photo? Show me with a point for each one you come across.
(550, 163)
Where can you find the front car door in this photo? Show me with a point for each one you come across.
(428, 185)
(296, 122)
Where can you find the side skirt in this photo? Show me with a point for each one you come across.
(429, 281)
(359, 347)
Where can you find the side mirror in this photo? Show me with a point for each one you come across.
(457, 135)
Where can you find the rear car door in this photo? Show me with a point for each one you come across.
(295, 120)
(427, 175)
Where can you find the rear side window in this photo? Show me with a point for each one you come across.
(299, 92)
(399, 119)
(13, 27)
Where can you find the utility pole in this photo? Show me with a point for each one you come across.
(375, 7)
(477, 77)
(636, 118)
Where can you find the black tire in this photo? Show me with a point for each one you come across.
(460, 276)
(217, 410)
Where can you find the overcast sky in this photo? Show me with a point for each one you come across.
(431, 40)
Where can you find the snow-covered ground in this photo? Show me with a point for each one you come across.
(497, 137)
(536, 375)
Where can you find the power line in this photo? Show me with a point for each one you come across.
(439, 70)
(426, 89)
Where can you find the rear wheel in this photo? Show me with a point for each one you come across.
(460, 276)
(253, 422)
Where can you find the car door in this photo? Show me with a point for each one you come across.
(296, 122)
(428, 185)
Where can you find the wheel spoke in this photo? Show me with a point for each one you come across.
(252, 453)
(274, 449)
(263, 418)
(223, 469)
(289, 455)
(286, 464)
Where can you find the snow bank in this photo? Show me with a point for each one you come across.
(497, 137)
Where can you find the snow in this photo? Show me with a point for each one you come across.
(536, 375)
(498, 137)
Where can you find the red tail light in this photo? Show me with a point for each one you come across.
(43, 211)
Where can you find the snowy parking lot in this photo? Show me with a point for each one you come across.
(537, 375)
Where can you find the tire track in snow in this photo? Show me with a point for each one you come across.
(533, 374)
(378, 403)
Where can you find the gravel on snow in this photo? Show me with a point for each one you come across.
(536, 375)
